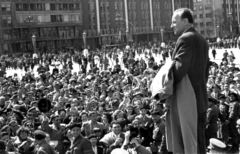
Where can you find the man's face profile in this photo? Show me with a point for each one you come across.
(177, 24)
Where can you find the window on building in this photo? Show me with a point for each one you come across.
(52, 7)
(53, 18)
(6, 21)
(77, 6)
(199, 0)
(6, 7)
(200, 7)
(32, 7)
(208, 15)
(209, 24)
(19, 7)
(65, 6)
(201, 24)
(41, 7)
(71, 6)
(208, 7)
(47, 6)
(201, 16)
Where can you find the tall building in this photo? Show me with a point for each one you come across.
(208, 17)
(59, 24)
(231, 15)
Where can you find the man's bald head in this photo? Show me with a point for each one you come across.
(185, 13)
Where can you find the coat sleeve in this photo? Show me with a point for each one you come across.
(183, 59)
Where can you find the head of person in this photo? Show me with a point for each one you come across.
(182, 20)
(93, 116)
(93, 139)
(116, 127)
(56, 120)
(75, 129)
(22, 133)
(156, 116)
(39, 136)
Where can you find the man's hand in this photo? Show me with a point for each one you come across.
(136, 141)
(118, 141)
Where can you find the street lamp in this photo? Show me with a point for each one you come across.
(218, 31)
(84, 39)
(34, 42)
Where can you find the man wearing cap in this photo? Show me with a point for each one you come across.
(212, 119)
(56, 131)
(91, 124)
(43, 146)
(96, 148)
(80, 145)
(115, 138)
(143, 116)
(234, 110)
(159, 132)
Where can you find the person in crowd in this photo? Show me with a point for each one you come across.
(43, 146)
(80, 144)
(212, 120)
(115, 138)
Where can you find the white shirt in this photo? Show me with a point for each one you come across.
(95, 150)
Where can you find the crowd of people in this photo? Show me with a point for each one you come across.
(98, 103)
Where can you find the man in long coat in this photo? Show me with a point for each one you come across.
(189, 103)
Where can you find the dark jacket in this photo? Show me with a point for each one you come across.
(191, 55)
(212, 119)
(81, 145)
(44, 148)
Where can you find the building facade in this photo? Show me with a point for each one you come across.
(59, 24)
(231, 15)
(208, 16)
(217, 18)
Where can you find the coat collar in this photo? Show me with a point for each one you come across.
(191, 29)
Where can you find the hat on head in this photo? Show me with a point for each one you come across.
(234, 94)
(18, 113)
(96, 129)
(75, 125)
(221, 96)
(72, 80)
(92, 136)
(213, 100)
(216, 145)
(60, 110)
(39, 135)
(155, 113)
